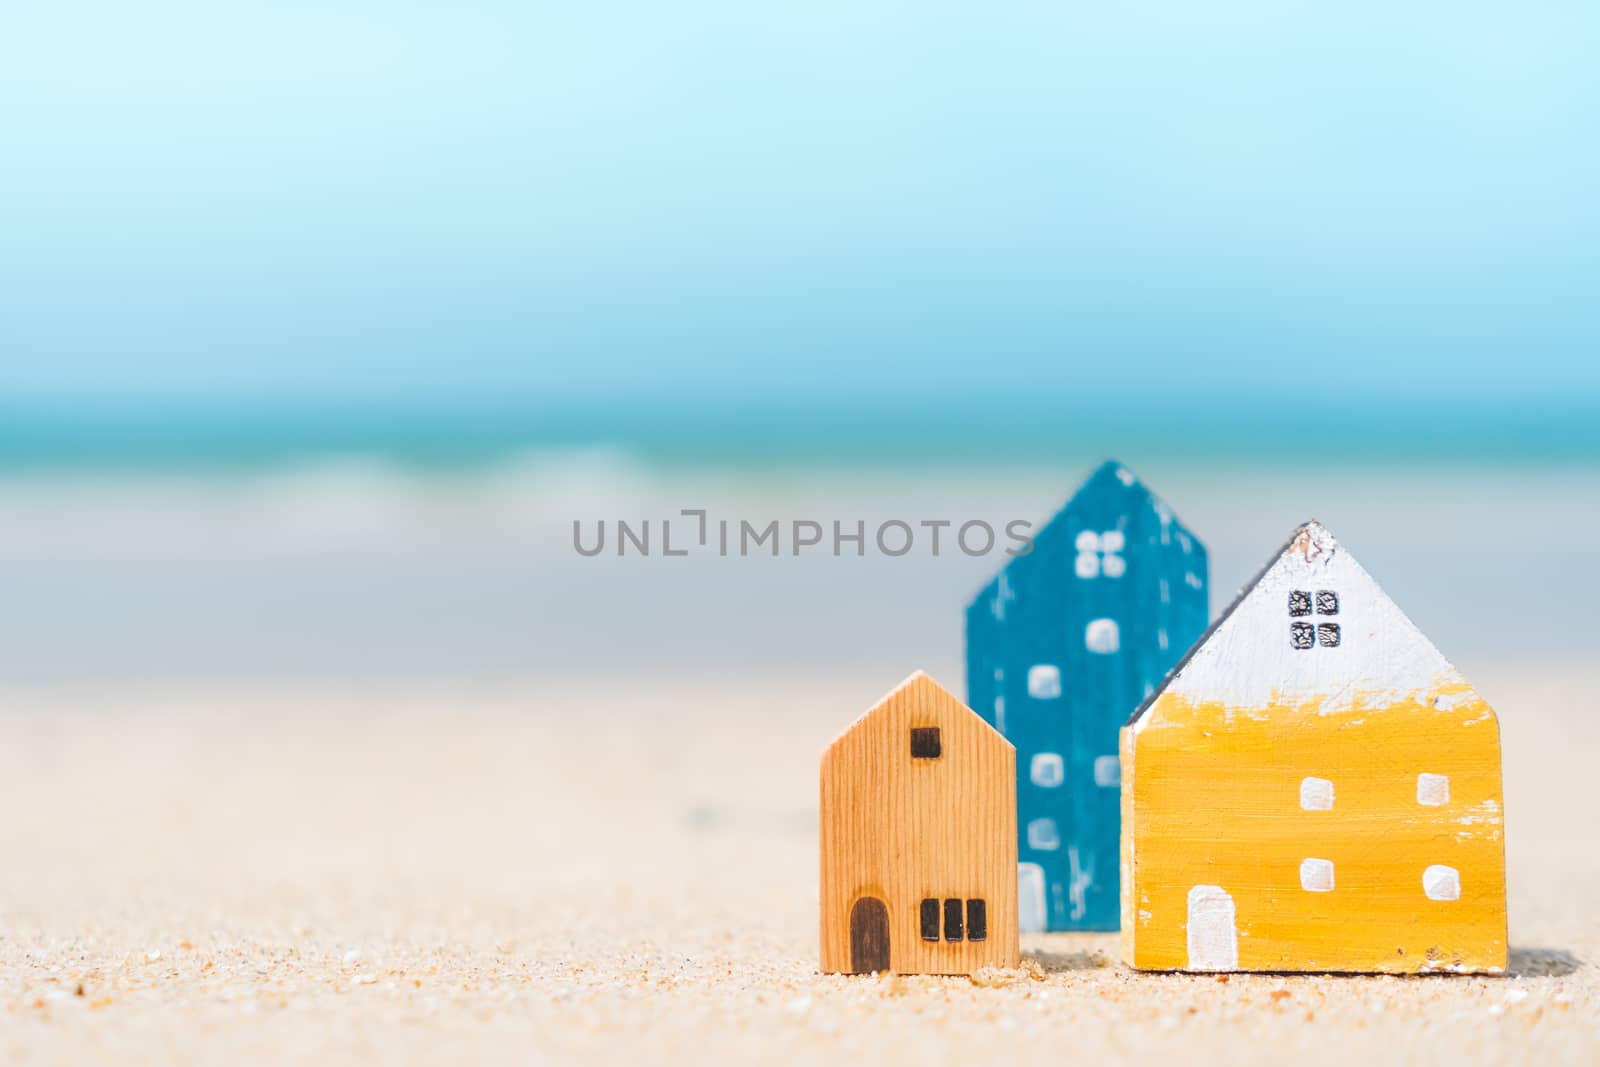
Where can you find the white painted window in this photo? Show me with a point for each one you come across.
(1316, 794)
(1044, 681)
(1047, 770)
(1433, 790)
(1030, 898)
(1316, 876)
(1441, 882)
(1043, 836)
(1107, 772)
(1102, 637)
(1100, 553)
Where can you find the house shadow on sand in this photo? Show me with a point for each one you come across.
(1059, 962)
(1523, 963)
(1542, 963)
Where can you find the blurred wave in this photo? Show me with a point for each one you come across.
(367, 568)
(319, 505)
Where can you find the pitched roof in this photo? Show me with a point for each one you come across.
(931, 688)
(1246, 657)
(1056, 525)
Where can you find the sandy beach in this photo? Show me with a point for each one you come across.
(555, 871)
(460, 466)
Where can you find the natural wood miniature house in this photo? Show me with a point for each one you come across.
(919, 839)
(1314, 788)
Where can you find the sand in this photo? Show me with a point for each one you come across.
(611, 869)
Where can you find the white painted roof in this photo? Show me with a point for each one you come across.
(1248, 660)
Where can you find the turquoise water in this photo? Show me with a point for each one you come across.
(360, 570)
(317, 333)
(757, 235)
(983, 428)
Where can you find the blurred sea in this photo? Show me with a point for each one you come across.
(981, 424)
(190, 547)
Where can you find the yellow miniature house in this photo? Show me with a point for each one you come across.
(919, 839)
(1313, 788)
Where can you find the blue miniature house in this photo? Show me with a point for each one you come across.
(1062, 646)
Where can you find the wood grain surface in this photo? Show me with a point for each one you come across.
(904, 830)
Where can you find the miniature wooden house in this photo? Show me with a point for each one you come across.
(1313, 789)
(1061, 646)
(919, 839)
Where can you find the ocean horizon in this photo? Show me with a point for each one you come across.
(984, 428)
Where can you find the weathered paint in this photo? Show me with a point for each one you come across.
(1397, 866)
(1061, 646)
(905, 830)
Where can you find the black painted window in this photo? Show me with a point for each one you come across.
(925, 742)
(952, 919)
(1304, 635)
(977, 920)
(930, 919)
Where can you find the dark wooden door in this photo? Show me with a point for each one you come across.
(869, 936)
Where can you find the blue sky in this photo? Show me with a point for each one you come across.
(392, 203)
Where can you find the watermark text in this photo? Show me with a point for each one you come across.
(693, 531)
